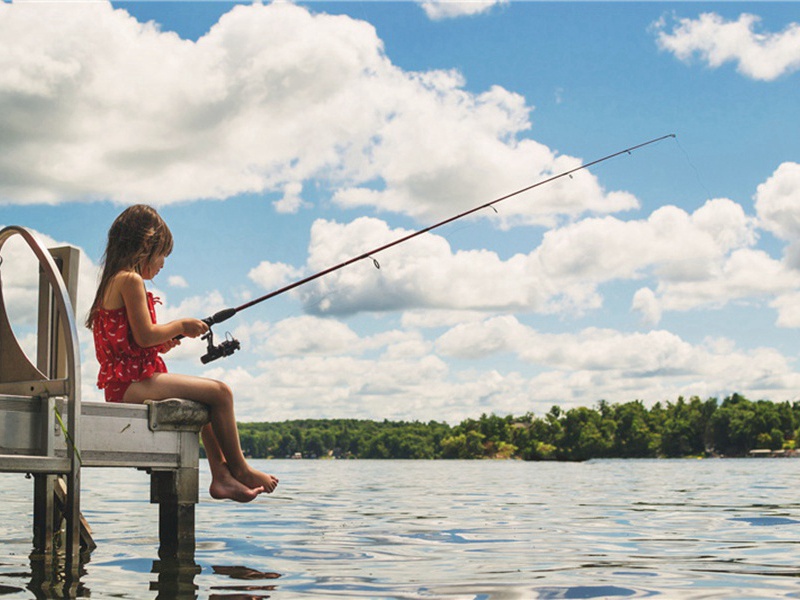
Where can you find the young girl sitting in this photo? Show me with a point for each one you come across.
(128, 342)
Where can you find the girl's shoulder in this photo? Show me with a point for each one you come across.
(125, 278)
(119, 286)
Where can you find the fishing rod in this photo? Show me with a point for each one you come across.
(230, 345)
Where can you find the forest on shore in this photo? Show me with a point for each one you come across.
(692, 427)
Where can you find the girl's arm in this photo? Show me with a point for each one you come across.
(145, 332)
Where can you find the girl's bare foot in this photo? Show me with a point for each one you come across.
(224, 486)
(257, 479)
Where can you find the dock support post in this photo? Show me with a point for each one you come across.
(176, 494)
(176, 491)
(43, 518)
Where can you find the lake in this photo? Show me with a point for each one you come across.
(448, 529)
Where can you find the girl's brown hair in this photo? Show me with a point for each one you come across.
(137, 236)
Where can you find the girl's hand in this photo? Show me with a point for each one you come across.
(193, 327)
(169, 345)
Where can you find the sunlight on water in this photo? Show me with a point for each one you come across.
(448, 529)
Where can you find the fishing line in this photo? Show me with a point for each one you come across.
(453, 232)
(694, 168)
(229, 346)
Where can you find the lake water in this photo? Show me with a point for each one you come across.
(720, 528)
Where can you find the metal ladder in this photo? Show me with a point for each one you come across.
(40, 403)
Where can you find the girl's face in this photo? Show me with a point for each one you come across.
(151, 268)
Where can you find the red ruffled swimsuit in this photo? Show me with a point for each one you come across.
(122, 360)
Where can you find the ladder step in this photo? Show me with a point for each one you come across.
(21, 463)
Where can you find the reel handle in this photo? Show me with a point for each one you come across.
(224, 348)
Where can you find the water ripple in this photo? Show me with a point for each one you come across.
(424, 529)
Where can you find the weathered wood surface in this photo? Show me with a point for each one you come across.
(115, 435)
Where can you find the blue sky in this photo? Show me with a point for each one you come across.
(279, 139)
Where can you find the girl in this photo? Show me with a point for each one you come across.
(128, 342)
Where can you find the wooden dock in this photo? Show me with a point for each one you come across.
(48, 433)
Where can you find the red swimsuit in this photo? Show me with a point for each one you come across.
(122, 360)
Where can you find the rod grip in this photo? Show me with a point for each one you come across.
(220, 316)
(217, 317)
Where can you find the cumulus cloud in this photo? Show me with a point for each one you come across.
(178, 281)
(636, 355)
(647, 305)
(391, 376)
(292, 200)
(777, 202)
(20, 290)
(601, 355)
(308, 335)
(271, 275)
(698, 260)
(788, 307)
(20, 280)
(423, 273)
(95, 105)
(695, 259)
(759, 55)
(449, 9)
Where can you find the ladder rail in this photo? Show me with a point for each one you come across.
(72, 384)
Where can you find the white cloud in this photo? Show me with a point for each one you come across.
(647, 305)
(21, 280)
(424, 273)
(207, 304)
(271, 275)
(778, 202)
(96, 105)
(450, 9)
(177, 281)
(788, 307)
(302, 336)
(292, 200)
(643, 360)
(759, 55)
(20, 289)
(703, 259)
(455, 151)
(342, 386)
(744, 274)
(592, 349)
(378, 377)
(695, 259)
(427, 319)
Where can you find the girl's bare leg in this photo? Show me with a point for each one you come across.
(223, 484)
(223, 434)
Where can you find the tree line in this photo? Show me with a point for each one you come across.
(692, 427)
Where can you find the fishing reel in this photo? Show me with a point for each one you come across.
(224, 348)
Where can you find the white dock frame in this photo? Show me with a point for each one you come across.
(47, 432)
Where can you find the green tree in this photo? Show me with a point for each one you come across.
(463, 445)
(586, 435)
(735, 426)
(633, 437)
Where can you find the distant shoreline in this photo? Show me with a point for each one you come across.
(693, 428)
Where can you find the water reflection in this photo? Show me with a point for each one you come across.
(176, 579)
(48, 579)
(244, 573)
(242, 592)
(451, 530)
